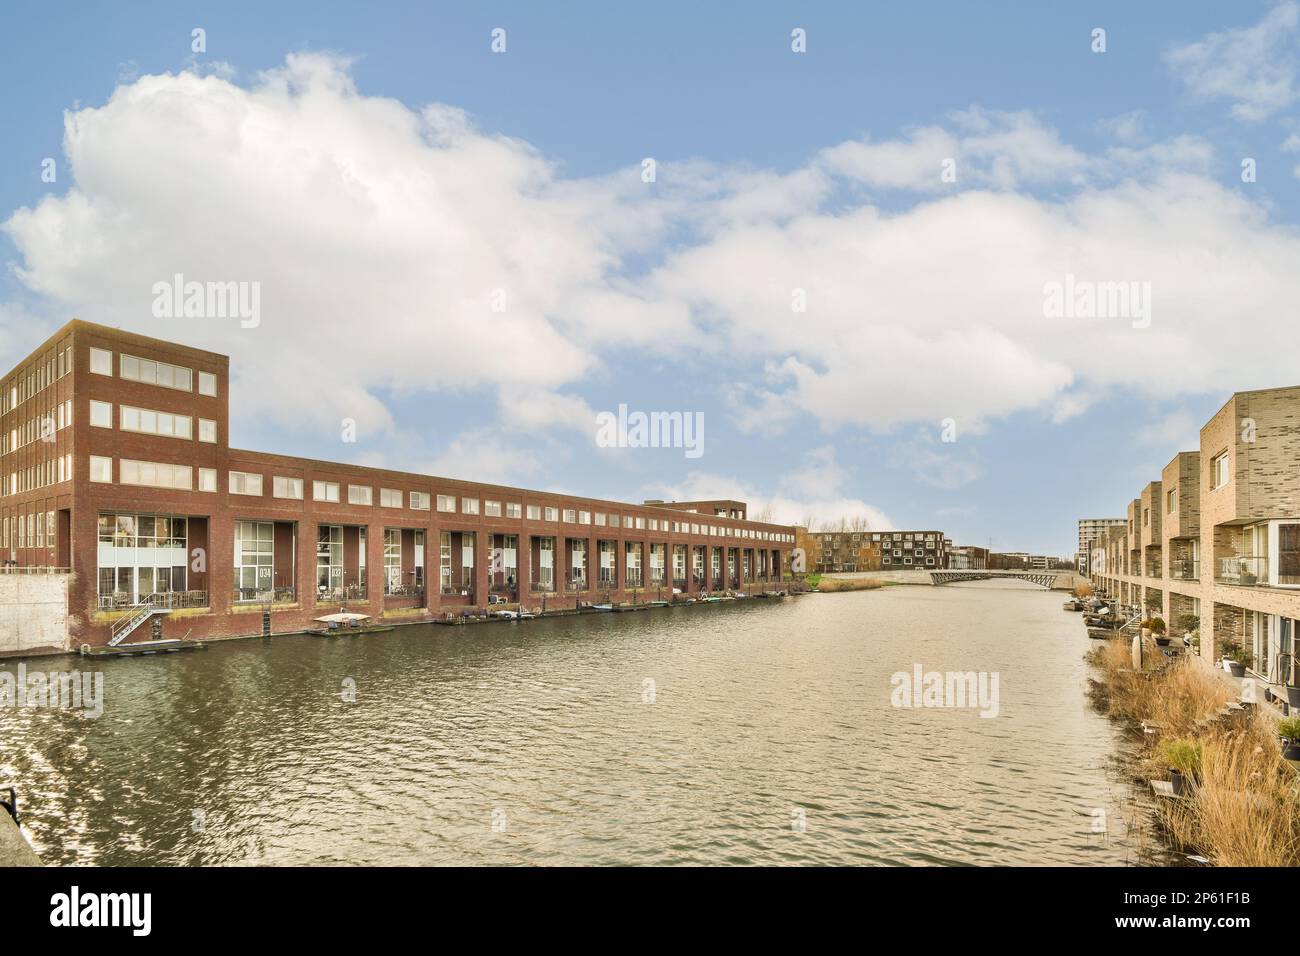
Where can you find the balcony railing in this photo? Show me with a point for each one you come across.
(1245, 571)
(454, 590)
(404, 591)
(263, 595)
(633, 579)
(541, 587)
(119, 600)
(575, 584)
(349, 592)
(1185, 569)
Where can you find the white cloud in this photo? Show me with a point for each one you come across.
(379, 234)
(812, 493)
(1255, 67)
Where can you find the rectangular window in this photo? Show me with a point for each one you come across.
(207, 384)
(101, 414)
(447, 503)
(325, 491)
(570, 516)
(552, 514)
(1219, 471)
(469, 506)
(419, 501)
(150, 422)
(390, 498)
(207, 430)
(361, 495)
(492, 509)
(101, 361)
(155, 474)
(584, 517)
(534, 513)
(207, 479)
(101, 469)
(245, 483)
(284, 487)
(151, 372)
(513, 509)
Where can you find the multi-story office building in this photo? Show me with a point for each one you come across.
(116, 465)
(1215, 543)
(1090, 530)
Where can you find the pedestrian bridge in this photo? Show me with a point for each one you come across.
(1047, 579)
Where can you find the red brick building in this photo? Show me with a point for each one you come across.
(116, 465)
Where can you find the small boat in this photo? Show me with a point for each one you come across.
(710, 600)
(600, 607)
(656, 603)
(347, 624)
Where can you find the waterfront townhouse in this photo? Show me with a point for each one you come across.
(1214, 545)
(116, 465)
(857, 550)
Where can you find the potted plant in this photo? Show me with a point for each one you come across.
(1183, 757)
(1158, 631)
(1237, 660)
(1288, 730)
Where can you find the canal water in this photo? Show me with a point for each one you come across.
(756, 732)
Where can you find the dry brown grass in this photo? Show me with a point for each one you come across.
(848, 584)
(1245, 811)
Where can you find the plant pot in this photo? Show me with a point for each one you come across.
(1162, 640)
(1236, 668)
(1178, 782)
(1290, 749)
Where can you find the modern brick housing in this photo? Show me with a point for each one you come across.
(1218, 536)
(116, 465)
(850, 551)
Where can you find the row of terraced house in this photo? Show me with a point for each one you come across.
(116, 466)
(1213, 545)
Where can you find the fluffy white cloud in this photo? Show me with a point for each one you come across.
(383, 236)
(1255, 67)
(812, 494)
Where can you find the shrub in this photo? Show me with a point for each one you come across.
(1241, 654)
(1183, 754)
(1289, 728)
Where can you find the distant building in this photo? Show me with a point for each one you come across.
(1092, 530)
(968, 558)
(849, 551)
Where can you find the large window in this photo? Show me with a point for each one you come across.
(392, 560)
(419, 501)
(325, 491)
(156, 373)
(329, 558)
(1288, 553)
(101, 361)
(447, 503)
(207, 384)
(245, 483)
(286, 487)
(139, 555)
(390, 498)
(101, 469)
(254, 559)
(155, 474)
(152, 422)
(361, 495)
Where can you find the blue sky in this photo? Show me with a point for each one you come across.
(776, 171)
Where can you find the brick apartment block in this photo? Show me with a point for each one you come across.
(1218, 536)
(116, 465)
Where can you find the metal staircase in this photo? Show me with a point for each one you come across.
(137, 614)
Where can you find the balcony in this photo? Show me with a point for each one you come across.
(1185, 569)
(339, 595)
(575, 583)
(263, 596)
(1243, 571)
(120, 600)
(634, 578)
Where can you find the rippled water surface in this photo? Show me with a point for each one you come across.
(546, 742)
